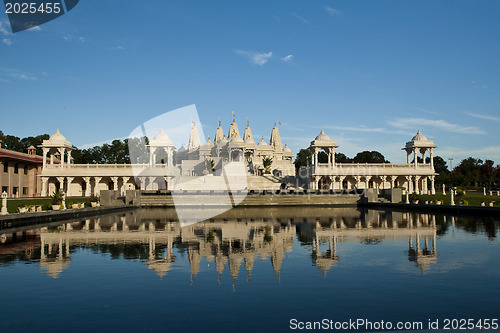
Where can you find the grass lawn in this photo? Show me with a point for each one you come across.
(473, 198)
(46, 203)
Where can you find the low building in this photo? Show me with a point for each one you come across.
(19, 173)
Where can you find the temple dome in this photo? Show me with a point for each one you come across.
(323, 140)
(286, 149)
(262, 143)
(161, 140)
(419, 137)
(57, 140)
(57, 137)
(419, 141)
(322, 137)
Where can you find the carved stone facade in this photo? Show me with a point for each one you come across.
(415, 177)
(166, 163)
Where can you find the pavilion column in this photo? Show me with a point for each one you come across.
(69, 180)
(168, 181)
(97, 192)
(87, 186)
(383, 179)
(68, 158)
(61, 184)
(61, 151)
(115, 183)
(341, 182)
(408, 156)
(152, 155)
(332, 182)
(357, 178)
(124, 184)
(151, 184)
(44, 186)
(423, 156)
(392, 179)
(433, 190)
(171, 162)
(410, 184)
(417, 181)
(45, 152)
(315, 157)
(432, 158)
(333, 157)
(143, 183)
(415, 157)
(367, 180)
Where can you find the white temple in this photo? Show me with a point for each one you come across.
(167, 165)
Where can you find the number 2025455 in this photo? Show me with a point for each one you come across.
(33, 8)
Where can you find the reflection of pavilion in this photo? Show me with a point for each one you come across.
(374, 229)
(232, 241)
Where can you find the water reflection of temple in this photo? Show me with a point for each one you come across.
(418, 229)
(234, 241)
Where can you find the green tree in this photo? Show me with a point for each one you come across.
(342, 158)
(302, 159)
(440, 165)
(267, 162)
(369, 157)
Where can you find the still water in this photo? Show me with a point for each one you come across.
(249, 270)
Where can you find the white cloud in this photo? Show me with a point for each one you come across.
(119, 47)
(287, 58)
(257, 58)
(7, 41)
(363, 129)
(69, 37)
(8, 73)
(35, 28)
(300, 18)
(415, 123)
(332, 11)
(482, 116)
(3, 29)
(459, 153)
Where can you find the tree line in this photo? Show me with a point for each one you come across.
(470, 172)
(116, 152)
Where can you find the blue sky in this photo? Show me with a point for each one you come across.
(370, 73)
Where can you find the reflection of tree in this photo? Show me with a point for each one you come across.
(371, 241)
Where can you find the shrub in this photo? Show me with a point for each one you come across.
(57, 198)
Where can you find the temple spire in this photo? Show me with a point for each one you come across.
(194, 139)
(219, 134)
(275, 140)
(247, 135)
(233, 130)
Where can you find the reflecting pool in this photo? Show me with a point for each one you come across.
(249, 270)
